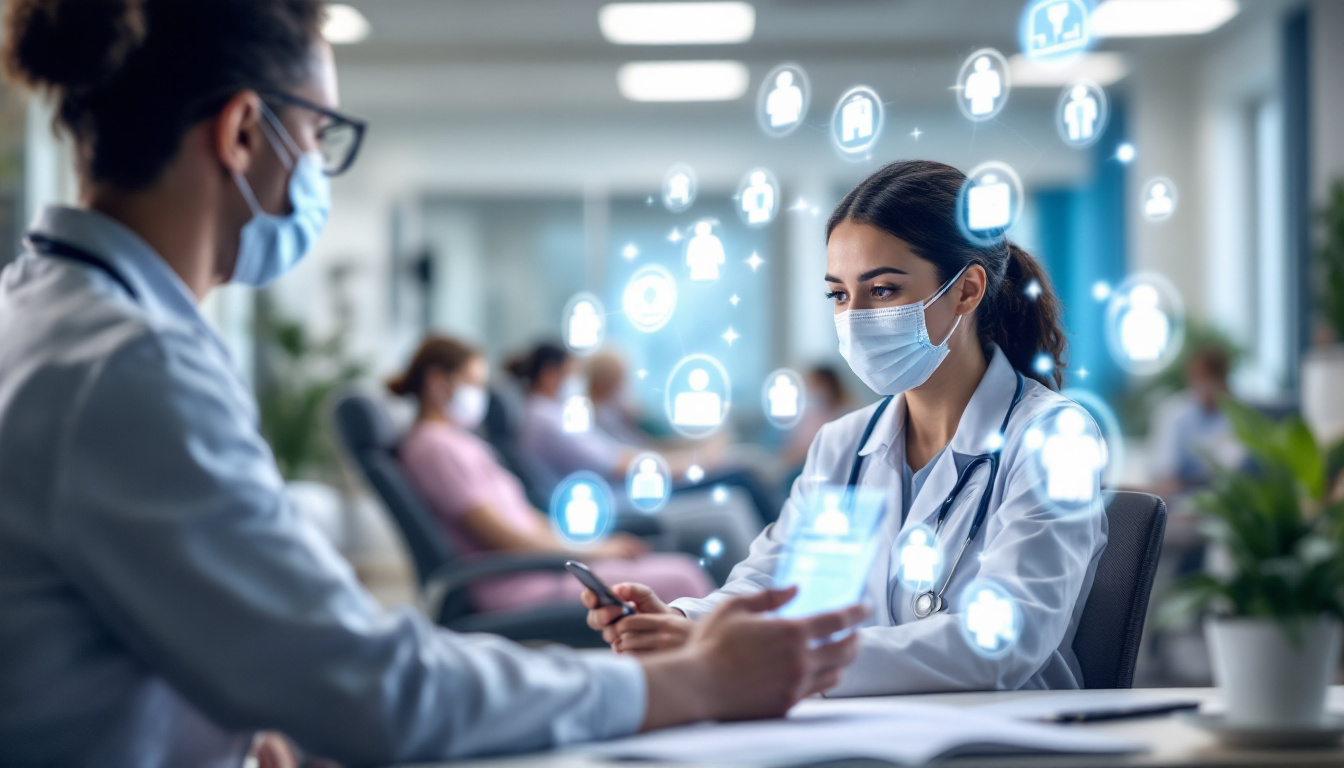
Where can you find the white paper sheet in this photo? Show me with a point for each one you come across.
(1046, 706)
(903, 733)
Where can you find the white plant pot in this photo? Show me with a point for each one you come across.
(1267, 679)
(1322, 402)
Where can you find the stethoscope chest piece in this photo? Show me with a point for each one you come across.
(928, 603)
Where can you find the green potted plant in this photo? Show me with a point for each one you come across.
(1323, 366)
(1273, 627)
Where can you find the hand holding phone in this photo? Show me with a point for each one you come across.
(605, 597)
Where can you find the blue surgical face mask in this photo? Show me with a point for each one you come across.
(271, 245)
(889, 348)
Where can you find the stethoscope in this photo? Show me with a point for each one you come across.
(927, 603)
(59, 249)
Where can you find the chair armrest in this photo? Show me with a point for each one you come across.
(452, 580)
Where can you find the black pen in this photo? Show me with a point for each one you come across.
(1142, 710)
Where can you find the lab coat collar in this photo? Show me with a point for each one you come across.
(981, 419)
(159, 288)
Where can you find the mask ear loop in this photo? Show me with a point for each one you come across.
(946, 286)
(275, 132)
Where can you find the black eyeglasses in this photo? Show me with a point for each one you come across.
(339, 139)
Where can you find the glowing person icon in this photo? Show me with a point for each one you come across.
(1071, 458)
(1145, 329)
(1159, 204)
(581, 511)
(856, 119)
(758, 199)
(698, 407)
(989, 619)
(679, 189)
(831, 521)
(918, 558)
(983, 87)
(784, 105)
(585, 326)
(577, 416)
(704, 253)
(784, 397)
(989, 203)
(1080, 114)
(648, 482)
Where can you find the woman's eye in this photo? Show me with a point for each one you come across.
(884, 292)
(837, 296)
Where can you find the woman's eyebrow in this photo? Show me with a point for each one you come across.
(870, 274)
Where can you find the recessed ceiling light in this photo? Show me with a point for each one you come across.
(1102, 67)
(1152, 18)
(703, 23)
(683, 80)
(344, 24)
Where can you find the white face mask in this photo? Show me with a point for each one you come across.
(468, 405)
(889, 349)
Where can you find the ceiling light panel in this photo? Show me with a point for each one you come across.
(706, 23)
(1156, 18)
(683, 80)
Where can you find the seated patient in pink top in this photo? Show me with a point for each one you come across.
(482, 506)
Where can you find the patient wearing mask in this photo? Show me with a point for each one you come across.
(482, 506)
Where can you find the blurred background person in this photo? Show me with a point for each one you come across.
(1190, 434)
(482, 506)
(827, 400)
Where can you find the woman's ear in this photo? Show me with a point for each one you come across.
(237, 132)
(970, 289)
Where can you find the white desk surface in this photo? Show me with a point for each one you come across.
(1171, 741)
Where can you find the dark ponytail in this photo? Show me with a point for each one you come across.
(435, 353)
(529, 367)
(130, 77)
(916, 201)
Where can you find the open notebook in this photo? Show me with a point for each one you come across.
(896, 732)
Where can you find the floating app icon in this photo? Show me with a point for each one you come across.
(990, 618)
(582, 510)
(758, 197)
(919, 560)
(648, 482)
(585, 324)
(1159, 199)
(1055, 29)
(576, 416)
(983, 85)
(1073, 457)
(990, 203)
(704, 253)
(1145, 322)
(783, 100)
(679, 188)
(857, 121)
(783, 398)
(1082, 113)
(650, 298)
(697, 396)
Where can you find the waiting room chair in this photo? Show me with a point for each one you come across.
(1107, 641)
(444, 575)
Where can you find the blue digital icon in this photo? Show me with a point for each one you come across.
(648, 482)
(919, 564)
(856, 122)
(650, 298)
(582, 510)
(1055, 29)
(783, 100)
(989, 617)
(990, 203)
(983, 85)
(783, 398)
(1081, 113)
(758, 197)
(697, 396)
(1159, 199)
(679, 188)
(585, 324)
(1145, 323)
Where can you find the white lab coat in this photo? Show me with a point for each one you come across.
(1044, 558)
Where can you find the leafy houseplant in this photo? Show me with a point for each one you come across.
(1275, 631)
(297, 377)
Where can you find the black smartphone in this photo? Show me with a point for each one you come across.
(605, 597)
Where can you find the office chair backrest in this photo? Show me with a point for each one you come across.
(367, 433)
(1107, 642)
(503, 428)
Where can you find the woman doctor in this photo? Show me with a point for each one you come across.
(951, 332)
